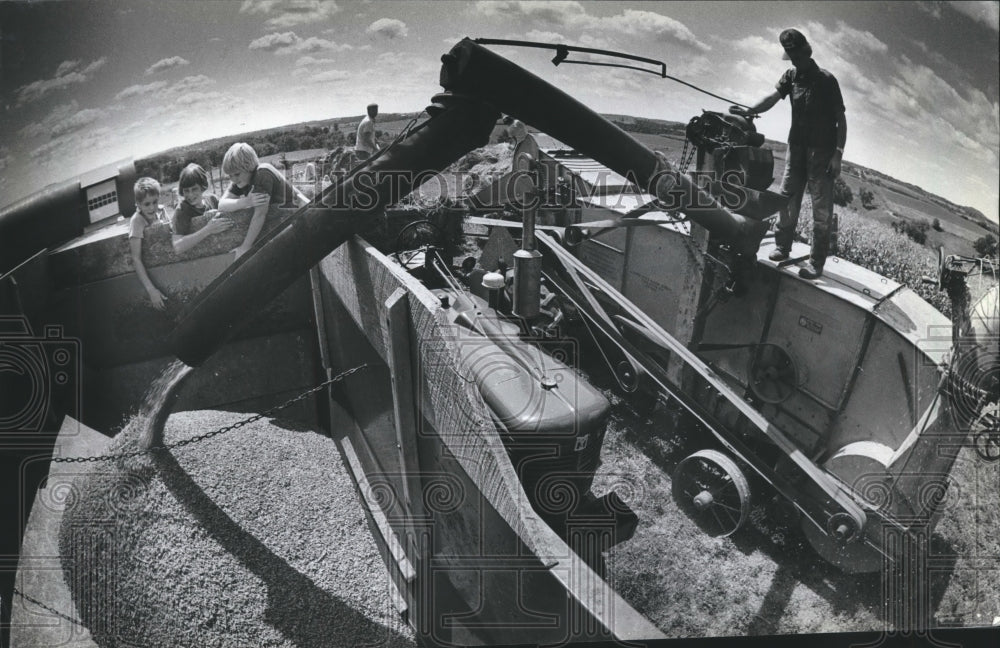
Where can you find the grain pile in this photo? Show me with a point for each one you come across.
(252, 538)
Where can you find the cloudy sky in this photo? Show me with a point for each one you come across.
(88, 83)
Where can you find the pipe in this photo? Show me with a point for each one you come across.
(472, 70)
(42, 220)
(528, 263)
(349, 207)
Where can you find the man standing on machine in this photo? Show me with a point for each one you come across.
(815, 147)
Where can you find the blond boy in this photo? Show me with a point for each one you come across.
(255, 185)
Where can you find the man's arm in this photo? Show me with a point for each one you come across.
(763, 105)
(838, 155)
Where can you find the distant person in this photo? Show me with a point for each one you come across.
(815, 147)
(196, 201)
(365, 144)
(517, 131)
(514, 130)
(255, 185)
(147, 212)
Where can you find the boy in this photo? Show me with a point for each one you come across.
(147, 212)
(255, 185)
(195, 202)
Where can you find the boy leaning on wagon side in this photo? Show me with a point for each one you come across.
(147, 212)
(255, 185)
(195, 201)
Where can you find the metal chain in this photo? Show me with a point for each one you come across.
(686, 156)
(213, 433)
(54, 611)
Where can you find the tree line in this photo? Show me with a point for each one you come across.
(166, 167)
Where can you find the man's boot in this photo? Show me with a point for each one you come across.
(813, 270)
(820, 244)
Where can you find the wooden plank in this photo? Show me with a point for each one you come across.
(400, 360)
(406, 569)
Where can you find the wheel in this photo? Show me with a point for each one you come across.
(413, 238)
(850, 557)
(773, 376)
(712, 490)
(986, 433)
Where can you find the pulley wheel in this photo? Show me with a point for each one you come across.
(627, 376)
(986, 433)
(773, 376)
(850, 555)
(712, 490)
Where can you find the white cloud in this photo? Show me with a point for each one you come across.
(288, 13)
(77, 121)
(66, 75)
(328, 76)
(545, 36)
(987, 12)
(556, 12)
(198, 98)
(52, 152)
(5, 157)
(95, 66)
(163, 89)
(139, 90)
(843, 39)
(932, 8)
(388, 27)
(573, 15)
(305, 61)
(634, 23)
(966, 112)
(66, 67)
(190, 83)
(597, 42)
(166, 64)
(315, 44)
(757, 45)
(64, 123)
(292, 43)
(274, 42)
